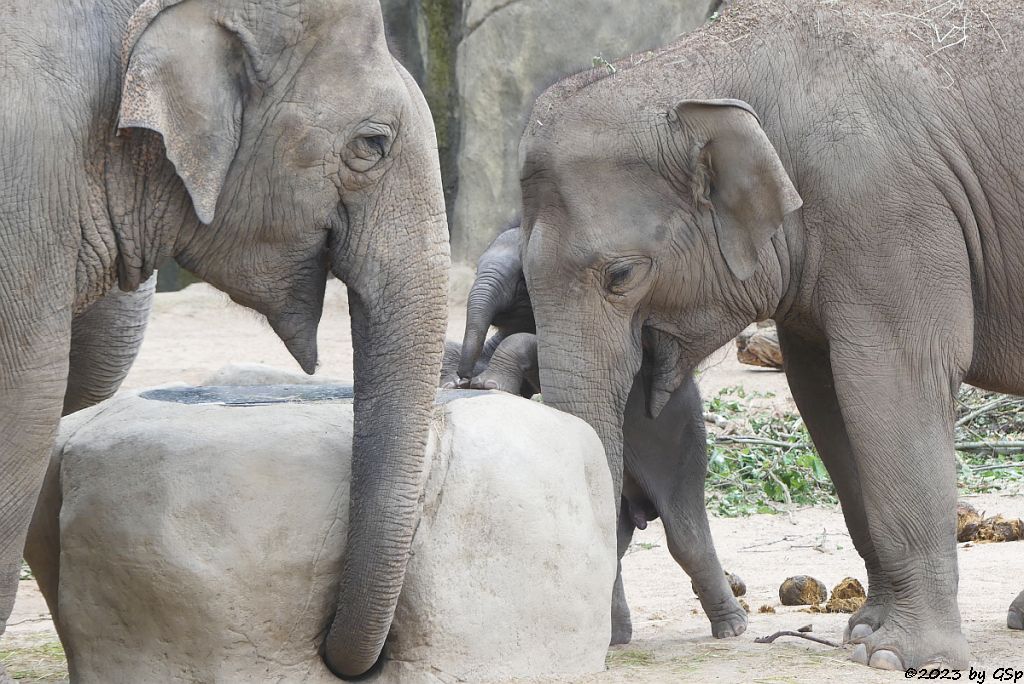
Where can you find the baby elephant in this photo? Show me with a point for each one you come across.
(665, 458)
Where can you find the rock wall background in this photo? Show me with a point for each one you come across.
(482, 63)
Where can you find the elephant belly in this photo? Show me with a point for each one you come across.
(998, 360)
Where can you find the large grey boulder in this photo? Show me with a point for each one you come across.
(201, 542)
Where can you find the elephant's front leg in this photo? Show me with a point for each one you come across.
(33, 373)
(809, 372)
(1015, 616)
(896, 399)
(667, 459)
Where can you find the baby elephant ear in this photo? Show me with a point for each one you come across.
(738, 173)
(183, 77)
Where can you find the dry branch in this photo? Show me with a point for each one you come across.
(801, 635)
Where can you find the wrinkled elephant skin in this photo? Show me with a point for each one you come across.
(667, 456)
(262, 145)
(822, 166)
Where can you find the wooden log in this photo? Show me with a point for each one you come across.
(759, 346)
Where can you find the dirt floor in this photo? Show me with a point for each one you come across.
(196, 331)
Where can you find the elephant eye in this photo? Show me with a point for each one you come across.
(376, 144)
(367, 149)
(623, 275)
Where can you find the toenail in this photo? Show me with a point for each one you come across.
(860, 631)
(886, 660)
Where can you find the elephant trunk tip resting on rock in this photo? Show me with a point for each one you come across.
(260, 144)
(763, 167)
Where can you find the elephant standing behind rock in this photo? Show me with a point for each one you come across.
(666, 456)
(260, 144)
(850, 170)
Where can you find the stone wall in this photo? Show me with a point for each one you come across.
(482, 63)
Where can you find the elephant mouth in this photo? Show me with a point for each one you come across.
(664, 366)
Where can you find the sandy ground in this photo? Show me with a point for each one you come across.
(196, 331)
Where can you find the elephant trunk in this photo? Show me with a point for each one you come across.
(398, 306)
(482, 306)
(105, 339)
(581, 375)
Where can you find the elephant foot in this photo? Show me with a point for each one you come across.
(492, 380)
(730, 622)
(622, 632)
(1015, 616)
(4, 677)
(869, 618)
(893, 648)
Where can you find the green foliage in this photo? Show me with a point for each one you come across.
(996, 420)
(772, 461)
(745, 478)
(641, 546)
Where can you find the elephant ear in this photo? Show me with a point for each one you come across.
(738, 175)
(184, 78)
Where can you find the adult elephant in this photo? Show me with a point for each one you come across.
(829, 168)
(261, 144)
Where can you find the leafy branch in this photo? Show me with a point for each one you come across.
(766, 461)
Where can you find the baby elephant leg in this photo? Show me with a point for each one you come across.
(667, 458)
(622, 623)
(1015, 617)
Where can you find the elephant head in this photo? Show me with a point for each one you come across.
(646, 232)
(304, 148)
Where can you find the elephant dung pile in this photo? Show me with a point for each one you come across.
(847, 596)
(972, 526)
(802, 590)
(736, 583)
